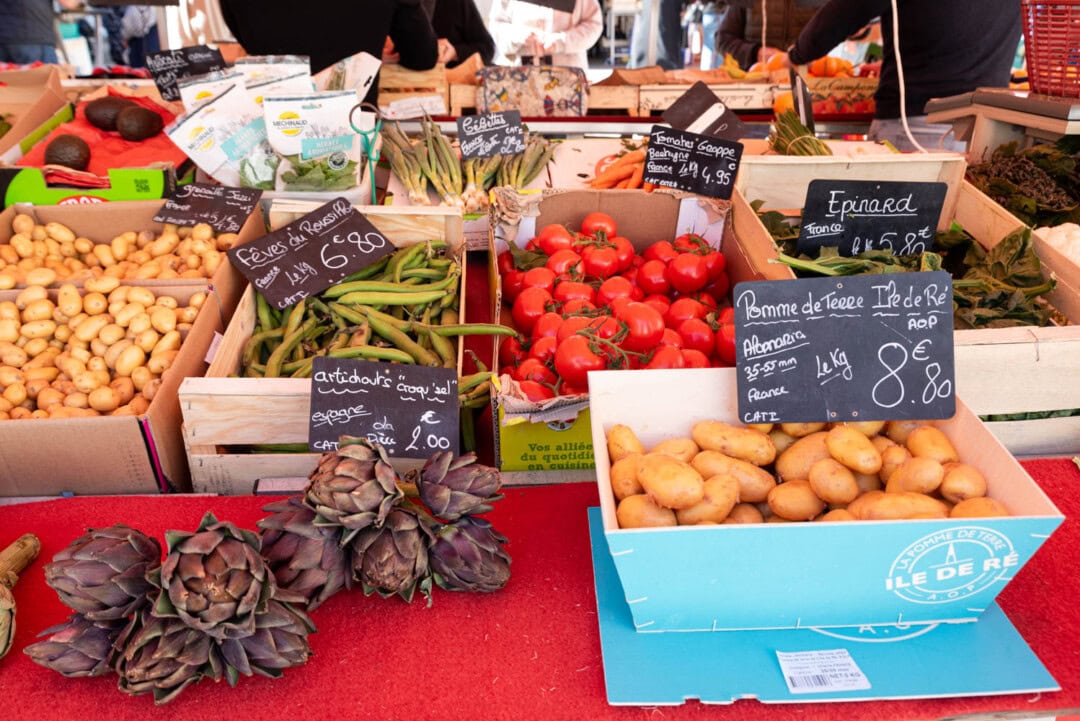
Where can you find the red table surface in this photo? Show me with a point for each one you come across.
(530, 651)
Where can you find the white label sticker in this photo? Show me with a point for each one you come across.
(212, 350)
(821, 671)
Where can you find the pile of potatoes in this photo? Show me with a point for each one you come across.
(98, 353)
(794, 472)
(50, 253)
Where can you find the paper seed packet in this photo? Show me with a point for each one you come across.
(197, 90)
(312, 133)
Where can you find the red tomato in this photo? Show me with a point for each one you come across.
(666, 356)
(687, 273)
(512, 285)
(618, 303)
(612, 288)
(568, 389)
(505, 261)
(531, 245)
(565, 262)
(510, 352)
(574, 359)
(543, 349)
(540, 278)
(652, 278)
(661, 250)
(528, 307)
(725, 344)
(694, 358)
(644, 327)
(553, 238)
(706, 299)
(598, 222)
(716, 263)
(718, 287)
(531, 369)
(547, 325)
(600, 262)
(536, 392)
(576, 306)
(571, 289)
(604, 326)
(572, 325)
(690, 242)
(631, 274)
(682, 309)
(625, 250)
(727, 316)
(697, 334)
(671, 337)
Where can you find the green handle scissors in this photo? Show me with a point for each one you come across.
(369, 141)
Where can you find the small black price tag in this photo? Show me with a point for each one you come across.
(860, 215)
(700, 110)
(223, 208)
(309, 255)
(412, 411)
(856, 348)
(168, 66)
(800, 95)
(482, 136)
(691, 162)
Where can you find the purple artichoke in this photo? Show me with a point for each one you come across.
(279, 642)
(468, 555)
(164, 656)
(78, 647)
(455, 487)
(393, 559)
(304, 558)
(353, 487)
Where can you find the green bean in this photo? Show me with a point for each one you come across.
(369, 272)
(262, 312)
(401, 258)
(473, 329)
(404, 342)
(449, 316)
(344, 289)
(429, 273)
(467, 383)
(446, 350)
(399, 298)
(273, 364)
(373, 353)
(254, 344)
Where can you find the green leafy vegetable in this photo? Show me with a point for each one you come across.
(318, 175)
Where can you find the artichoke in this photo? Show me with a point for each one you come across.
(102, 573)
(455, 487)
(304, 558)
(468, 555)
(164, 655)
(214, 580)
(279, 642)
(393, 559)
(78, 647)
(353, 487)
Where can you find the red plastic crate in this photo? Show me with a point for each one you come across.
(1052, 42)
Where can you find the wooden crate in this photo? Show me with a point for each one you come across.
(221, 412)
(398, 83)
(606, 98)
(462, 98)
(999, 370)
(738, 96)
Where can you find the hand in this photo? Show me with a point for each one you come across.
(767, 52)
(447, 52)
(388, 54)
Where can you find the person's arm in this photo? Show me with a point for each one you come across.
(730, 37)
(831, 25)
(509, 38)
(581, 36)
(70, 4)
(477, 38)
(414, 39)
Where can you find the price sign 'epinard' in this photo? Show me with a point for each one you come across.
(309, 255)
(168, 66)
(695, 163)
(855, 348)
(860, 215)
(412, 411)
(223, 208)
(482, 136)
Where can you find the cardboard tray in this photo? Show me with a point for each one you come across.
(33, 97)
(218, 410)
(794, 575)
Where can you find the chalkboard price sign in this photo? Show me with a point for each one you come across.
(695, 163)
(860, 215)
(168, 66)
(482, 136)
(412, 411)
(311, 254)
(700, 110)
(856, 348)
(223, 208)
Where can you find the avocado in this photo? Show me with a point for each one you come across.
(101, 113)
(69, 150)
(138, 123)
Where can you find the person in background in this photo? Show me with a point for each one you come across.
(740, 28)
(461, 31)
(28, 30)
(328, 31)
(944, 51)
(669, 50)
(139, 27)
(524, 30)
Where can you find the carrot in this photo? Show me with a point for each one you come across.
(630, 157)
(649, 187)
(635, 179)
(622, 184)
(611, 176)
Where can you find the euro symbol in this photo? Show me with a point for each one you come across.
(429, 417)
(919, 353)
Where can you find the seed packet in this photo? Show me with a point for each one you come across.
(297, 84)
(258, 69)
(197, 90)
(356, 72)
(313, 135)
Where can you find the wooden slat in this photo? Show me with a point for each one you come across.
(401, 224)
(1040, 438)
(740, 96)
(236, 474)
(614, 97)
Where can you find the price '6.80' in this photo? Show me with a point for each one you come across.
(367, 243)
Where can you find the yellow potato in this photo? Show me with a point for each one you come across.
(624, 482)
(795, 501)
(837, 514)
(762, 427)
(882, 442)
(962, 482)
(795, 462)
(721, 495)
(682, 448)
(640, 512)
(867, 428)
(744, 513)
(930, 442)
(981, 507)
(669, 481)
(833, 482)
(893, 506)
(892, 458)
(781, 441)
(868, 482)
(917, 474)
(800, 430)
(754, 483)
(621, 442)
(104, 399)
(743, 443)
(853, 449)
(898, 431)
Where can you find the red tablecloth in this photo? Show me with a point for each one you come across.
(531, 651)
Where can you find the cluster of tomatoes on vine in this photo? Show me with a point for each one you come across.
(586, 300)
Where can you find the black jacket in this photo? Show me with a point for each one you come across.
(740, 28)
(946, 47)
(459, 22)
(329, 31)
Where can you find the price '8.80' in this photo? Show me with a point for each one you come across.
(367, 243)
(890, 392)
